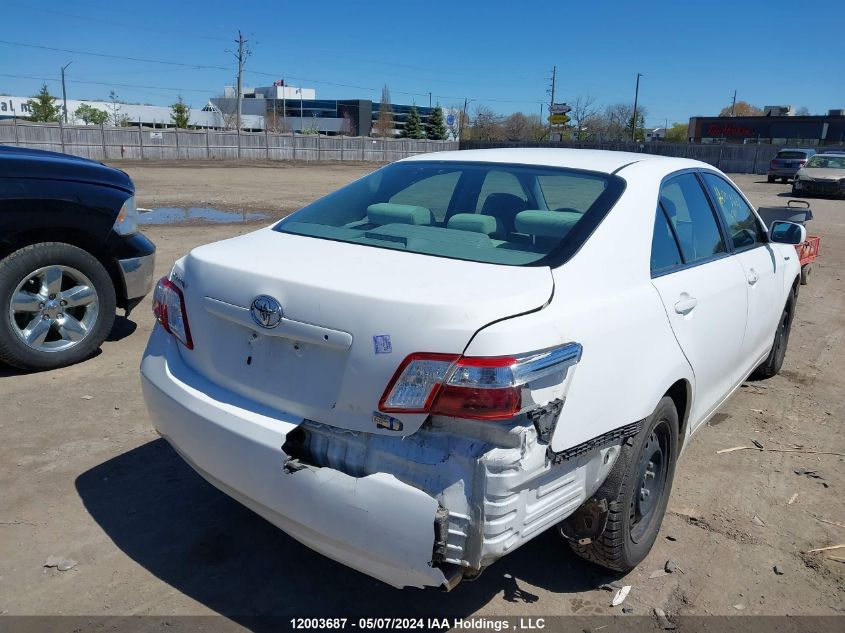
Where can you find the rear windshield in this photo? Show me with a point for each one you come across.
(487, 212)
(792, 154)
(826, 162)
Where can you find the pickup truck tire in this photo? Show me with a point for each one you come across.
(774, 361)
(57, 305)
(770, 178)
(637, 491)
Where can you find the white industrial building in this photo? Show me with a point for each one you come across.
(209, 116)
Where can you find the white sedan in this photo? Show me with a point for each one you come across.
(424, 370)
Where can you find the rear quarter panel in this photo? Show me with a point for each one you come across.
(604, 300)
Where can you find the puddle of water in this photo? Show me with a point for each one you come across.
(198, 215)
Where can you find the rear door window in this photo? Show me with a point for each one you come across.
(691, 215)
(665, 254)
(744, 228)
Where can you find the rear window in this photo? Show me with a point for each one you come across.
(503, 214)
(791, 154)
(826, 162)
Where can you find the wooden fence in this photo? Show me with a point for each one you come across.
(142, 143)
(730, 158)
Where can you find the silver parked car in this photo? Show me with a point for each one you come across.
(823, 174)
(787, 162)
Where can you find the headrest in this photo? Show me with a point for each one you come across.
(546, 223)
(474, 222)
(390, 213)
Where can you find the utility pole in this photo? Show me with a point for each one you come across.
(463, 119)
(634, 118)
(429, 100)
(64, 92)
(733, 105)
(241, 59)
(552, 99)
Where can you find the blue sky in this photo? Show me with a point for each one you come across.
(692, 54)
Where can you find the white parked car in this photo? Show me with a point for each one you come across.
(424, 370)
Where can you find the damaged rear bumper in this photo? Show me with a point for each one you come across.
(375, 523)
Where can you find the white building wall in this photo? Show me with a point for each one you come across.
(12, 106)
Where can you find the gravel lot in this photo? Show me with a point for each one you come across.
(84, 476)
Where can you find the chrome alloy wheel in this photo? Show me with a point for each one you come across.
(53, 308)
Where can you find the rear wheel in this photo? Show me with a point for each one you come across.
(57, 303)
(771, 178)
(785, 180)
(637, 491)
(774, 362)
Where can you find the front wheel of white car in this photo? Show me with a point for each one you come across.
(637, 491)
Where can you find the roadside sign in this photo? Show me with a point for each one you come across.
(558, 119)
(559, 108)
(156, 135)
(450, 119)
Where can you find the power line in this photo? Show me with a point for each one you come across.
(254, 72)
(110, 84)
(123, 57)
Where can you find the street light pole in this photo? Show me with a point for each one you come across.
(634, 118)
(64, 92)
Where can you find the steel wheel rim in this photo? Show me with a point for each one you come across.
(53, 309)
(650, 481)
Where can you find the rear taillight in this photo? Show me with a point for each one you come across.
(169, 310)
(773, 163)
(479, 388)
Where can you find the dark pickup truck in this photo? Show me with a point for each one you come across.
(70, 255)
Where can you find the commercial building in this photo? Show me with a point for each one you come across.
(276, 108)
(778, 128)
(290, 108)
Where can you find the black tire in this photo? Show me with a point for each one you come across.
(806, 271)
(771, 178)
(774, 361)
(785, 180)
(633, 519)
(795, 191)
(15, 269)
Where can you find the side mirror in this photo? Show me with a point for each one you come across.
(787, 233)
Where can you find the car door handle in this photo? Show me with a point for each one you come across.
(686, 304)
(752, 276)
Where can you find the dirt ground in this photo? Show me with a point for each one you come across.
(84, 476)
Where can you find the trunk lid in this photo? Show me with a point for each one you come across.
(352, 313)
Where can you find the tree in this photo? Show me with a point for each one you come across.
(516, 127)
(583, 114)
(276, 123)
(615, 123)
(678, 133)
(116, 117)
(180, 113)
(485, 126)
(435, 127)
(91, 115)
(413, 127)
(460, 122)
(741, 108)
(43, 106)
(803, 111)
(384, 123)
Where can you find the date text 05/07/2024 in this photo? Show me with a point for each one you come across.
(433, 623)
